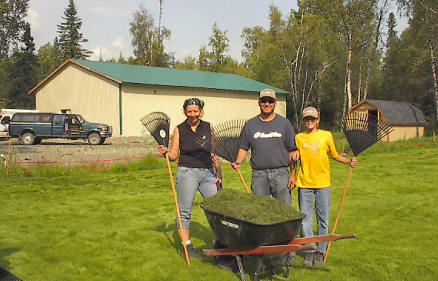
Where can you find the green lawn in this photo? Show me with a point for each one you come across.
(118, 224)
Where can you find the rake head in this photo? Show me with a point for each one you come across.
(225, 139)
(158, 123)
(363, 130)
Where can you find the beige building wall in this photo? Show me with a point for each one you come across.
(94, 97)
(220, 106)
(404, 133)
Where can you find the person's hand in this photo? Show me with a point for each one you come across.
(295, 155)
(353, 162)
(218, 180)
(236, 165)
(162, 149)
(292, 182)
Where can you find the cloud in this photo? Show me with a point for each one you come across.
(118, 46)
(118, 43)
(33, 18)
(108, 9)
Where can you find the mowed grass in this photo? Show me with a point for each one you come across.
(119, 224)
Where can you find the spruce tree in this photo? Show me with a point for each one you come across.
(70, 37)
(23, 72)
(392, 33)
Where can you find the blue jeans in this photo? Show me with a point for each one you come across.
(319, 199)
(188, 182)
(272, 182)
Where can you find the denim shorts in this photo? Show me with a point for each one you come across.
(188, 182)
(272, 182)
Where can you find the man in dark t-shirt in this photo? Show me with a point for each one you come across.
(271, 139)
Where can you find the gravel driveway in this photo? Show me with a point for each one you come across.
(74, 152)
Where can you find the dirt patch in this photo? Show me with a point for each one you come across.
(69, 152)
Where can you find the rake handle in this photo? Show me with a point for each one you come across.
(242, 180)
(339, 212)
(175, 199)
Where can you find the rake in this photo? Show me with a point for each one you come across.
(158, 123)
(362, 131)
(225, 141)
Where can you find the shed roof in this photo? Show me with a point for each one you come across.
(161, 76)
(397, 112)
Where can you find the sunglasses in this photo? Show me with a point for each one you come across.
(309, 119)
(267, 100)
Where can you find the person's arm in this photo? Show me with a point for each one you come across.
(173, 153)
(217, 167)
(293, 169)
(352, 162)
(241, 155)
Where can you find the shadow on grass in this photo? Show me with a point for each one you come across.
(197, 231)
(6, 252)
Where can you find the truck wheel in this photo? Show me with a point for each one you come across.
(28, 138)
(94, 138)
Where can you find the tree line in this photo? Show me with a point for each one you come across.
(328, 53)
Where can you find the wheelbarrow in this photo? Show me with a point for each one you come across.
(245, 238)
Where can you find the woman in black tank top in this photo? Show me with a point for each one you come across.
(195, 165)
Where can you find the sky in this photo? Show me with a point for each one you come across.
(105, 23)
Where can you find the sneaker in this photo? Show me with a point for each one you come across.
(191, 251)
(308, 259)
(318, 259)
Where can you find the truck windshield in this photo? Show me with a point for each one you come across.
(81, 119)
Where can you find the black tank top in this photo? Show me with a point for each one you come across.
(191, 154)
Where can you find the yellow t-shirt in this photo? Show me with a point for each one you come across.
(315, 149)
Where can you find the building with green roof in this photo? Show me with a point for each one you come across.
(120, 94)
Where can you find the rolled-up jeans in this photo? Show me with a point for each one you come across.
(188, 182)
(272, 182)
(311, 199)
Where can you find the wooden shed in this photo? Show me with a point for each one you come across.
(120, 94)
(407, 120)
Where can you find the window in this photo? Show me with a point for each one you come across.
(45, 118)
(58, 120)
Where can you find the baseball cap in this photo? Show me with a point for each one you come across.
(267, 93)
(310, 111)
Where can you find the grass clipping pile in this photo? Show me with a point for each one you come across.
(250, 207)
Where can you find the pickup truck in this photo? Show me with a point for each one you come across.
(5, 116)
(31, 128)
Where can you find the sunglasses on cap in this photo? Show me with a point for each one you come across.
(266, 100)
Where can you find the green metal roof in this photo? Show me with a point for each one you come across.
(161, 76)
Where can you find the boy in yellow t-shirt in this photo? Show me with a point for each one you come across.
(315, 147)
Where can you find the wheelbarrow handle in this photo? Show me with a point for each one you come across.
(261, 250)
(319, 239)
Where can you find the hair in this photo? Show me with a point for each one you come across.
(193, 101)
